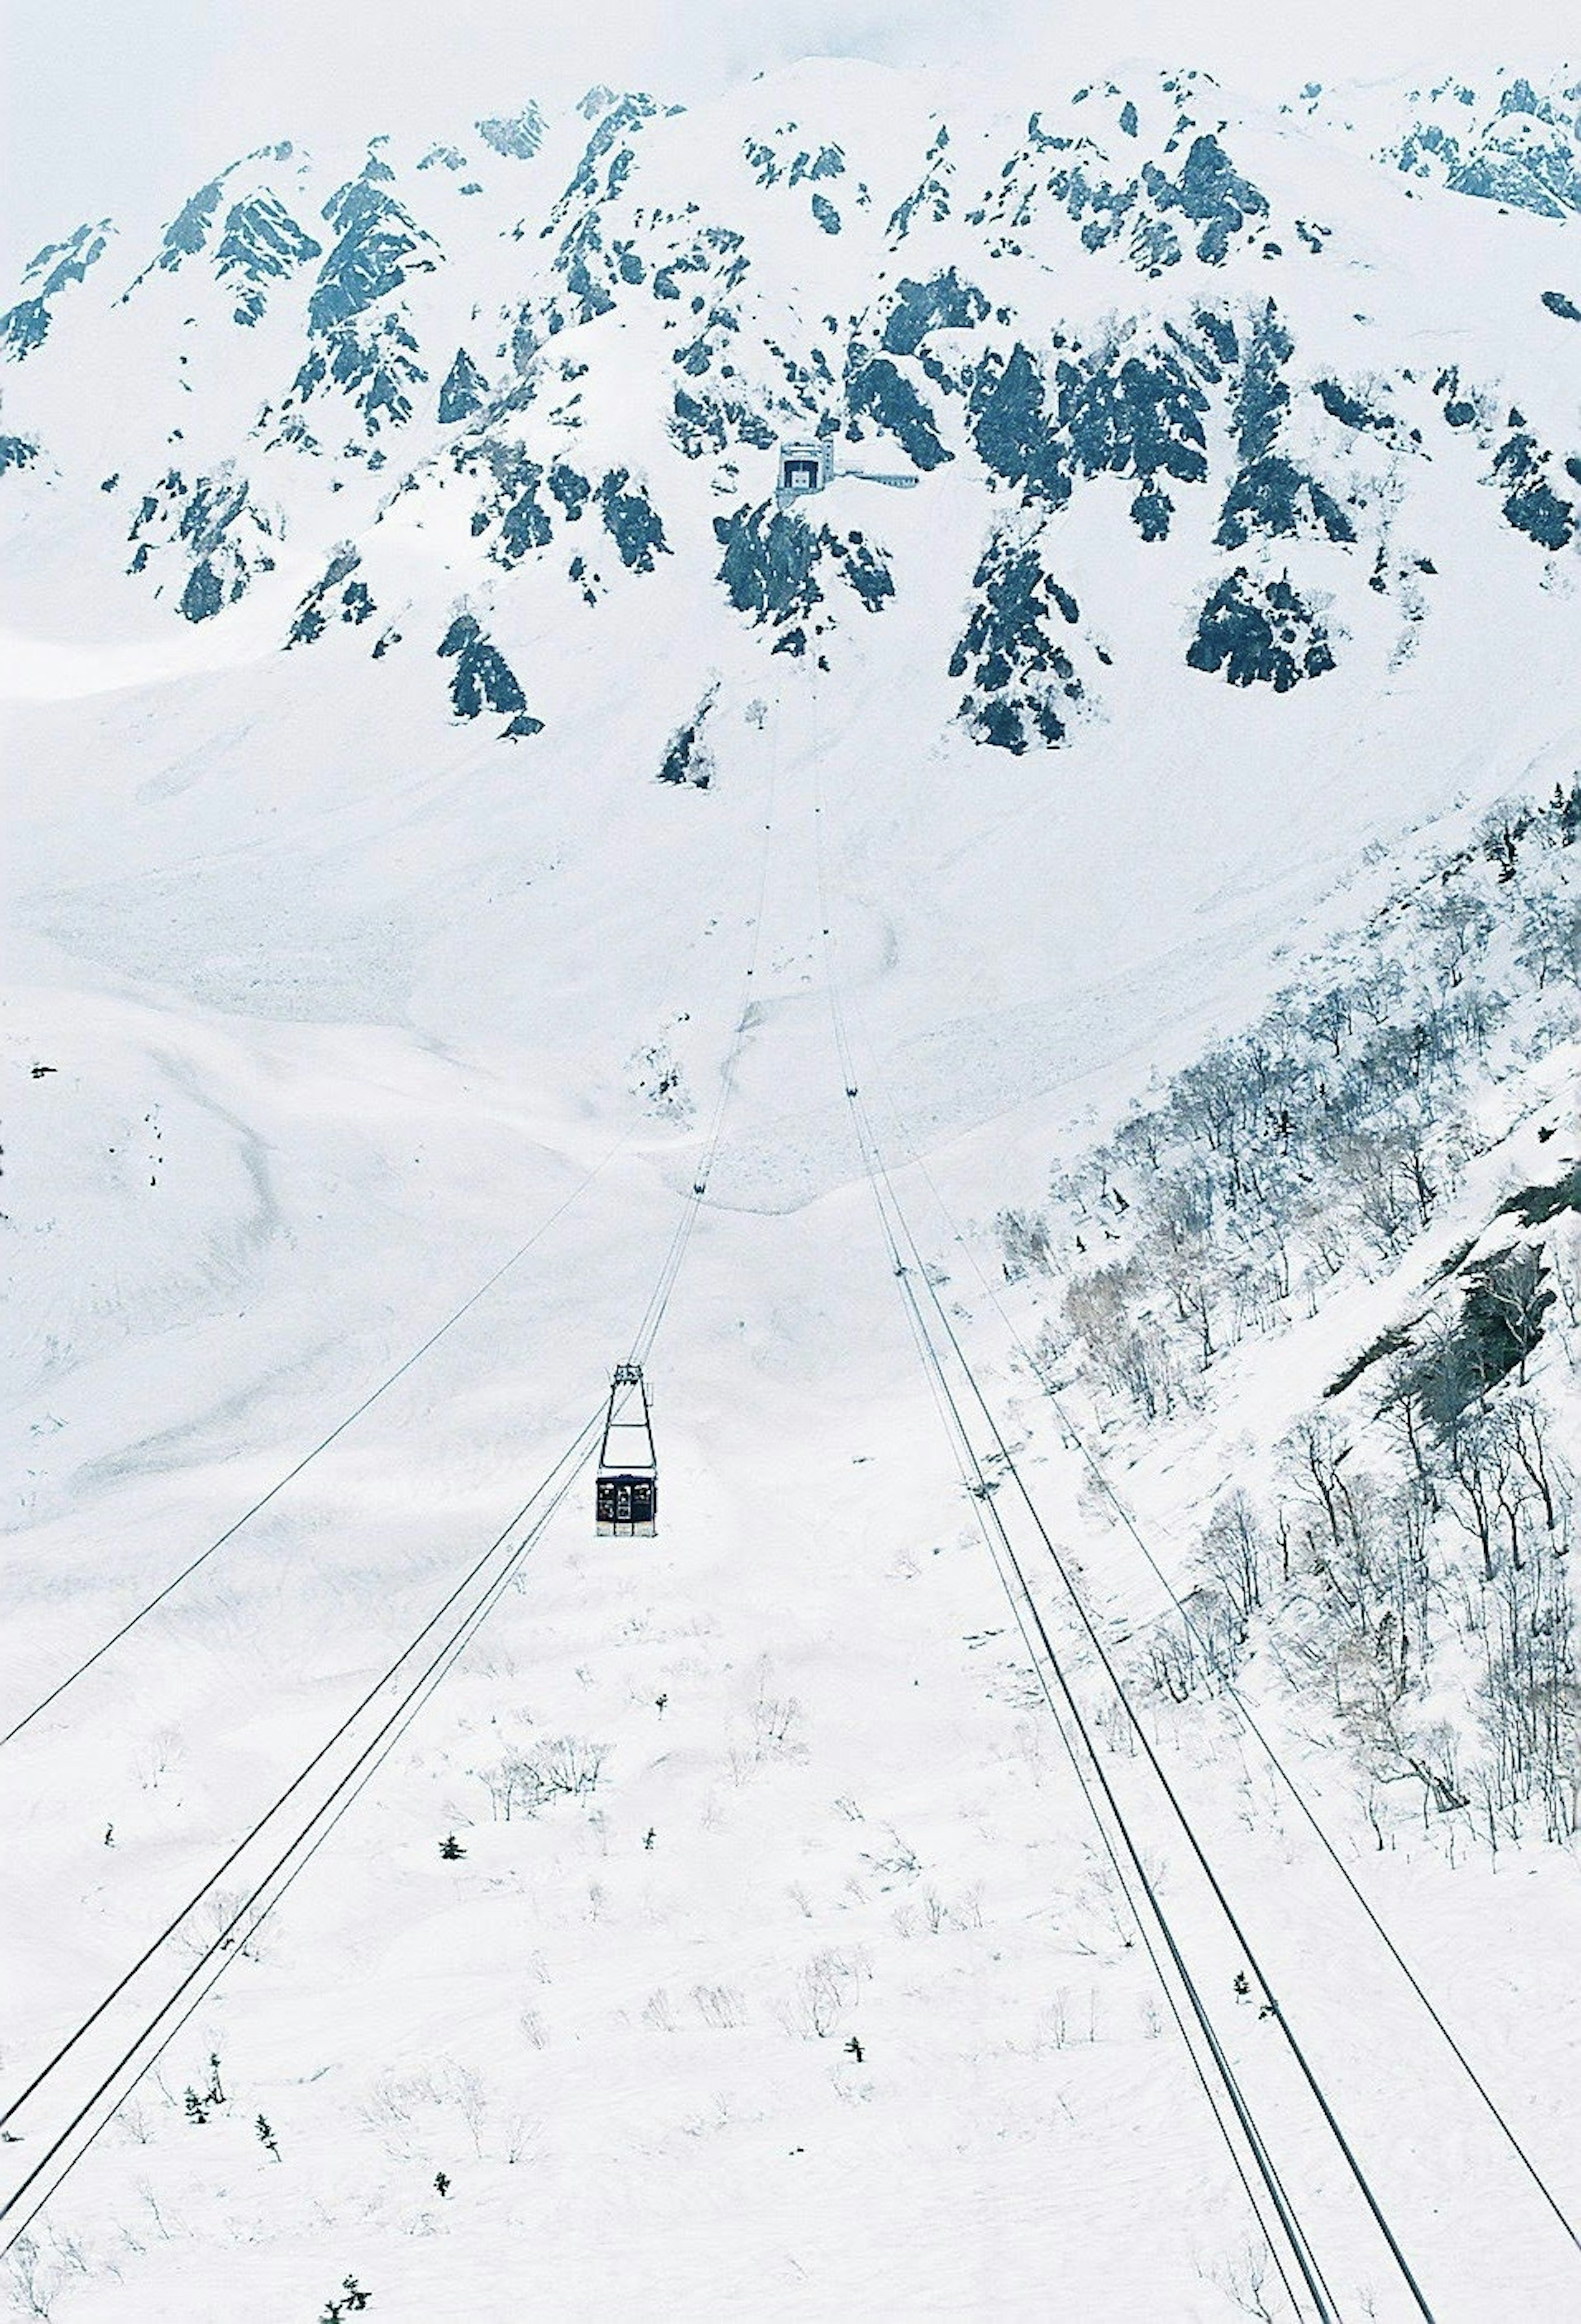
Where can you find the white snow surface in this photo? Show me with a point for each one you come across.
(342, 1000)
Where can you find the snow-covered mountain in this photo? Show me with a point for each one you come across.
(566, 351)
(445, 766)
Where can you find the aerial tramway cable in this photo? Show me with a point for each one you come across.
(1296, 1792)
(1274, 2008)
(226, 1942)
(583, 1440)
(345, 1789)
(653, 1315)
(1098, 1471)
(1045, 1659)
(896, 1232)
(307, 1458)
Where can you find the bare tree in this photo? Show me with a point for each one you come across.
(1233, 1551)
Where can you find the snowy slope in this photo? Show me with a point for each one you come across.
(422, 726)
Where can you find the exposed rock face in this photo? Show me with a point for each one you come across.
(483, 679)
(1024, 683)
(1089, 323)
(1260, 632)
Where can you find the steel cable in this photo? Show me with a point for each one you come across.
(981, 1491)
(230, 1531)
(576, 1455)
(345, 1790)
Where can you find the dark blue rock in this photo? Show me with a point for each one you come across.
(620, 120)
(828, 162)
(1260, 633)
(483, 679)
(695, 358)
(687, 759)
(62, 263)
(702, 425)
(1261, 398)
(212, 508)
(1505, 159)
(1530, 504)
(518, 138)
(1010, 427)
(943, 304)
(512, 504)
(1139, 418)
(1210, 192)
(1271, 495)
(1023, 683)
(862, 566)
(1151, 513)
(586, 266)
(205, 517)
(770, 563)
(932, 194)
(463, 392)
(23, 327)
(571, 490)
(376, 362)
(186, 233)
(631, 521)
(203, 596)
(877, 390)
(308, 623)
(262, 244)
(525, 525)
(1219, 332)
(378, 244)
(1349, 410)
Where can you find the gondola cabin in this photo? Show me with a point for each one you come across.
(626, 1496)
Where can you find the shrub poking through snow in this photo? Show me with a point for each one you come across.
(350, 2300)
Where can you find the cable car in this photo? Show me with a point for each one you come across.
(626, 1493)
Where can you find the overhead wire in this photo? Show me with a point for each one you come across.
(577, 1455)
(282, 1799)
(879, 1175)
(1272, 2004)
(1098, 1470)
(981, 1490)
(328, 1813)
(449, 1323)
(1040, 1656)
(648, 1328)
